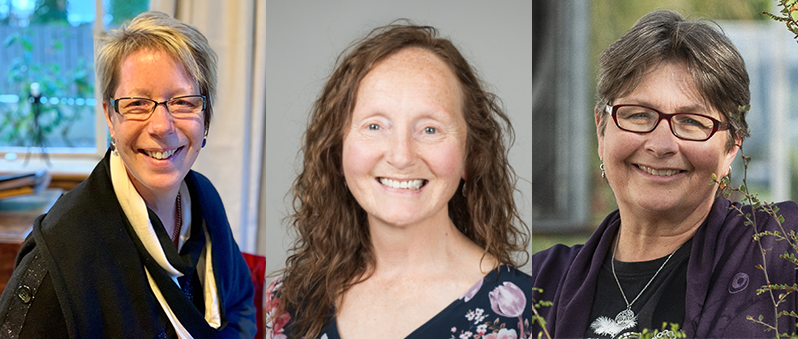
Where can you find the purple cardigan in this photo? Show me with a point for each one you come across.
(722, 277)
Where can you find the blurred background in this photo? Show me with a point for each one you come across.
(570, 198)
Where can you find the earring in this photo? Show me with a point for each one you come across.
(726, 180)
(204, 141)
(603, 173)
(464, 190)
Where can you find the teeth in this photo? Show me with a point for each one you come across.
(409, 184)
(652, 171)
(161, 155)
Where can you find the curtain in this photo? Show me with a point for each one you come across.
(232, 158)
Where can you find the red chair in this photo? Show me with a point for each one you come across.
(257, 268)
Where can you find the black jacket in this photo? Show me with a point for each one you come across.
(85, 249)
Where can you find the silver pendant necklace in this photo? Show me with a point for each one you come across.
(627, 316)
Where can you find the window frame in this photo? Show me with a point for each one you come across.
(64, 160)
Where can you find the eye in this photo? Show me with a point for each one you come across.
(135, 103)
(374, 127)
(430, 130)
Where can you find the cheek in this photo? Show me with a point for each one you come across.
(619, 146)
(708, 159)
(446, 160)
(358, 156)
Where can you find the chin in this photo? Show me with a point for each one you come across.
(396, 219)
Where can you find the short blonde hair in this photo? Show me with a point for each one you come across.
(157, 31)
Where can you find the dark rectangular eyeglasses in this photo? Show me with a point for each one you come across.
(686, 126)
(134, 108)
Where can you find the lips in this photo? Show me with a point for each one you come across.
(413, 184)
(161, 155)
(659, 172)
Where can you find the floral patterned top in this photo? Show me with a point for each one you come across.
(497, 307)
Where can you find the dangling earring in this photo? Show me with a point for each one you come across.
(603, 173)
(204, 141)
(725, 183)
(113, 147)
(464, 190)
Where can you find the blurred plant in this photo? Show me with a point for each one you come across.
(789, 15)
(536, 317)
(17, 119)
(778, 292)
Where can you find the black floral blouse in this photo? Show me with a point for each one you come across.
(497, 307)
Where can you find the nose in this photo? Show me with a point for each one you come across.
(661, 141)
(401, 153)
(161, 122)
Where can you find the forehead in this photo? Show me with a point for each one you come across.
(146, 66)
(411, 72)
(669, 87)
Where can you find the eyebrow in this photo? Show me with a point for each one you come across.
(681, 109)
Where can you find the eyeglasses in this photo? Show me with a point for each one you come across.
(686, 126)
(141, 108)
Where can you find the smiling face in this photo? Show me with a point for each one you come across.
(404, 151)
(157, 152)
(657, 172)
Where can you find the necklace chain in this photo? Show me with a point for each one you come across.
(178, 220)
(629, 304)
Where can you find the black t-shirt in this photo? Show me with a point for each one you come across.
(662, 302)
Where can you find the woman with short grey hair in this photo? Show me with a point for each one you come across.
(675, 252)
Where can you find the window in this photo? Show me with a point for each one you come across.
(48, 54)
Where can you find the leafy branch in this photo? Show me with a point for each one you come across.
(789, 15)
(537, 318)
(778, 292)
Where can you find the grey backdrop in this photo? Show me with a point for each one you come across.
(303, 39)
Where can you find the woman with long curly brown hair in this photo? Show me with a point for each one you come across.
(403, 210)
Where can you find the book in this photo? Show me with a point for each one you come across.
(29, 182)
(13, 192)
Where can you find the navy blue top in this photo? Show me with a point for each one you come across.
(499, 304)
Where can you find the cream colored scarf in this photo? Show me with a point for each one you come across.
(136, 212)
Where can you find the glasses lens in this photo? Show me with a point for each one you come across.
(185, 105)
(692, 126)
(636, 119)
(135, 108)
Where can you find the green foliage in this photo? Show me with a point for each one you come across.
(50, 12)
(122, 10)
(778, 292)
(17, 120)
(536, 317)
(788, 15)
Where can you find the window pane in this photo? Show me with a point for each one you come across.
(50, 43)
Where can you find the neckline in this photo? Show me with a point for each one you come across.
(628, 269)
(490, 277)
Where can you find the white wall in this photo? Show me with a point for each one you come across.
(304, 38)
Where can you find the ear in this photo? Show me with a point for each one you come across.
(599, 135)
(729, 157)
(108, 121)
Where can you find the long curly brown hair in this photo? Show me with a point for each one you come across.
(332, 250)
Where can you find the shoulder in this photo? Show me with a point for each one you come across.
(554, 260)
(207, 196)
(29, 298)
(275, 320)
(496, 306)
(200, 181)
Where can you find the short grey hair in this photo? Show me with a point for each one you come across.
(157, 31)
(717, 68)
